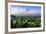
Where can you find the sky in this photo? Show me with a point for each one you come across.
(25, 10)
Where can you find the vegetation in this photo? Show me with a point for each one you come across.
(25, 21)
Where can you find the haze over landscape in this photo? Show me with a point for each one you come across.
(25, 10)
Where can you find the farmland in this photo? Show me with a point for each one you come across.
(25, 21)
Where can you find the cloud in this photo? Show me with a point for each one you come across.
(24, 11)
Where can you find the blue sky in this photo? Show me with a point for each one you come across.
(34, 9)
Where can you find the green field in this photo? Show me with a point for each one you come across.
(25, 21)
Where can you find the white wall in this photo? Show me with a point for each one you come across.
(2, 23)
(2, 18)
